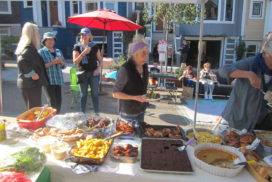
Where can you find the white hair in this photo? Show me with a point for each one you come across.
(136, 39)
(30, 35)
(267, 45)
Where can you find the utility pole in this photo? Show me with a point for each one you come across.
(1, 93)
(138, 20)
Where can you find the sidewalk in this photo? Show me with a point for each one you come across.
(159, 113)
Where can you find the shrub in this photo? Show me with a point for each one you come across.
(122, 60)
(7, 45)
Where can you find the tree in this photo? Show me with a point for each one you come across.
(171, 14)
(128, 35)
(240, 50)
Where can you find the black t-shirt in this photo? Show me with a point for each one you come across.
(91, 64)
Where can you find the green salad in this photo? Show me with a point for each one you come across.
(27, 160)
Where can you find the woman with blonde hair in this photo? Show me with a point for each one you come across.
(132, 79)
(208, 79)
(32, 75)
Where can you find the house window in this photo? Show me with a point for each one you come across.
(229, 10)
(111, 6)
(139, 6)
(4, 31)
(5, 7)
(252, 50)
(257, 9)
(211, 10)
(28, 4)
(90, 6)
(75, 8)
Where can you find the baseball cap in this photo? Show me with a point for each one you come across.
(85, 31)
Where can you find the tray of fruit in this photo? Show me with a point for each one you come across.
(90, 151)
(29, 118)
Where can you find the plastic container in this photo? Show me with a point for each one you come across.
(46, 142)
(125, 159)
(127, 135)
(99, 127)
(33, 125)
(59, 150)
(267, 146)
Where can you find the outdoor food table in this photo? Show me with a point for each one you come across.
(115, 171)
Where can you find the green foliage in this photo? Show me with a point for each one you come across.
(122, 60)
(27, 160)
(6, 44)
(240, 50)
(128, 35)
(179, 72)
(172, 12)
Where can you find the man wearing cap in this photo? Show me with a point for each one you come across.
(88, 58)
(54, 63)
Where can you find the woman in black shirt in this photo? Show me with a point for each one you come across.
(87, 56)
(131, 83)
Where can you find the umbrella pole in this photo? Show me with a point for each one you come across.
(200, 50)
(1, 93)
(102, 53)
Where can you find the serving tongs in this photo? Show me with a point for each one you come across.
(113, 136)
(186, 143)
(42, 111)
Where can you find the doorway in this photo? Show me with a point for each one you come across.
(211, 53)
(54, 17)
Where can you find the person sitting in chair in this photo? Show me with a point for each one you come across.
(188, 76)
(208, 78)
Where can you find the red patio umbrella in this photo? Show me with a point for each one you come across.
(104, 19)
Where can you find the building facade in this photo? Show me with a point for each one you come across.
(226, 23)
(52, 15)
(255, 24)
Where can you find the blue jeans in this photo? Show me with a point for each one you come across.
(93, 81)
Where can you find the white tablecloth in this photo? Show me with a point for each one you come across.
(117, 172)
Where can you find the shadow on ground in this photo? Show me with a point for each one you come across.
(175, 119)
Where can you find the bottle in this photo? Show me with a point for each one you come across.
(3, 135)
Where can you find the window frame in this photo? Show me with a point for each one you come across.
(218, 14)
(134, 6)
(233, 11)
(251, 16)
(27, 6)
(72, 8)
(115, 5)
(8, 30)
(9, 8)
(84, 5)
(252, 44)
